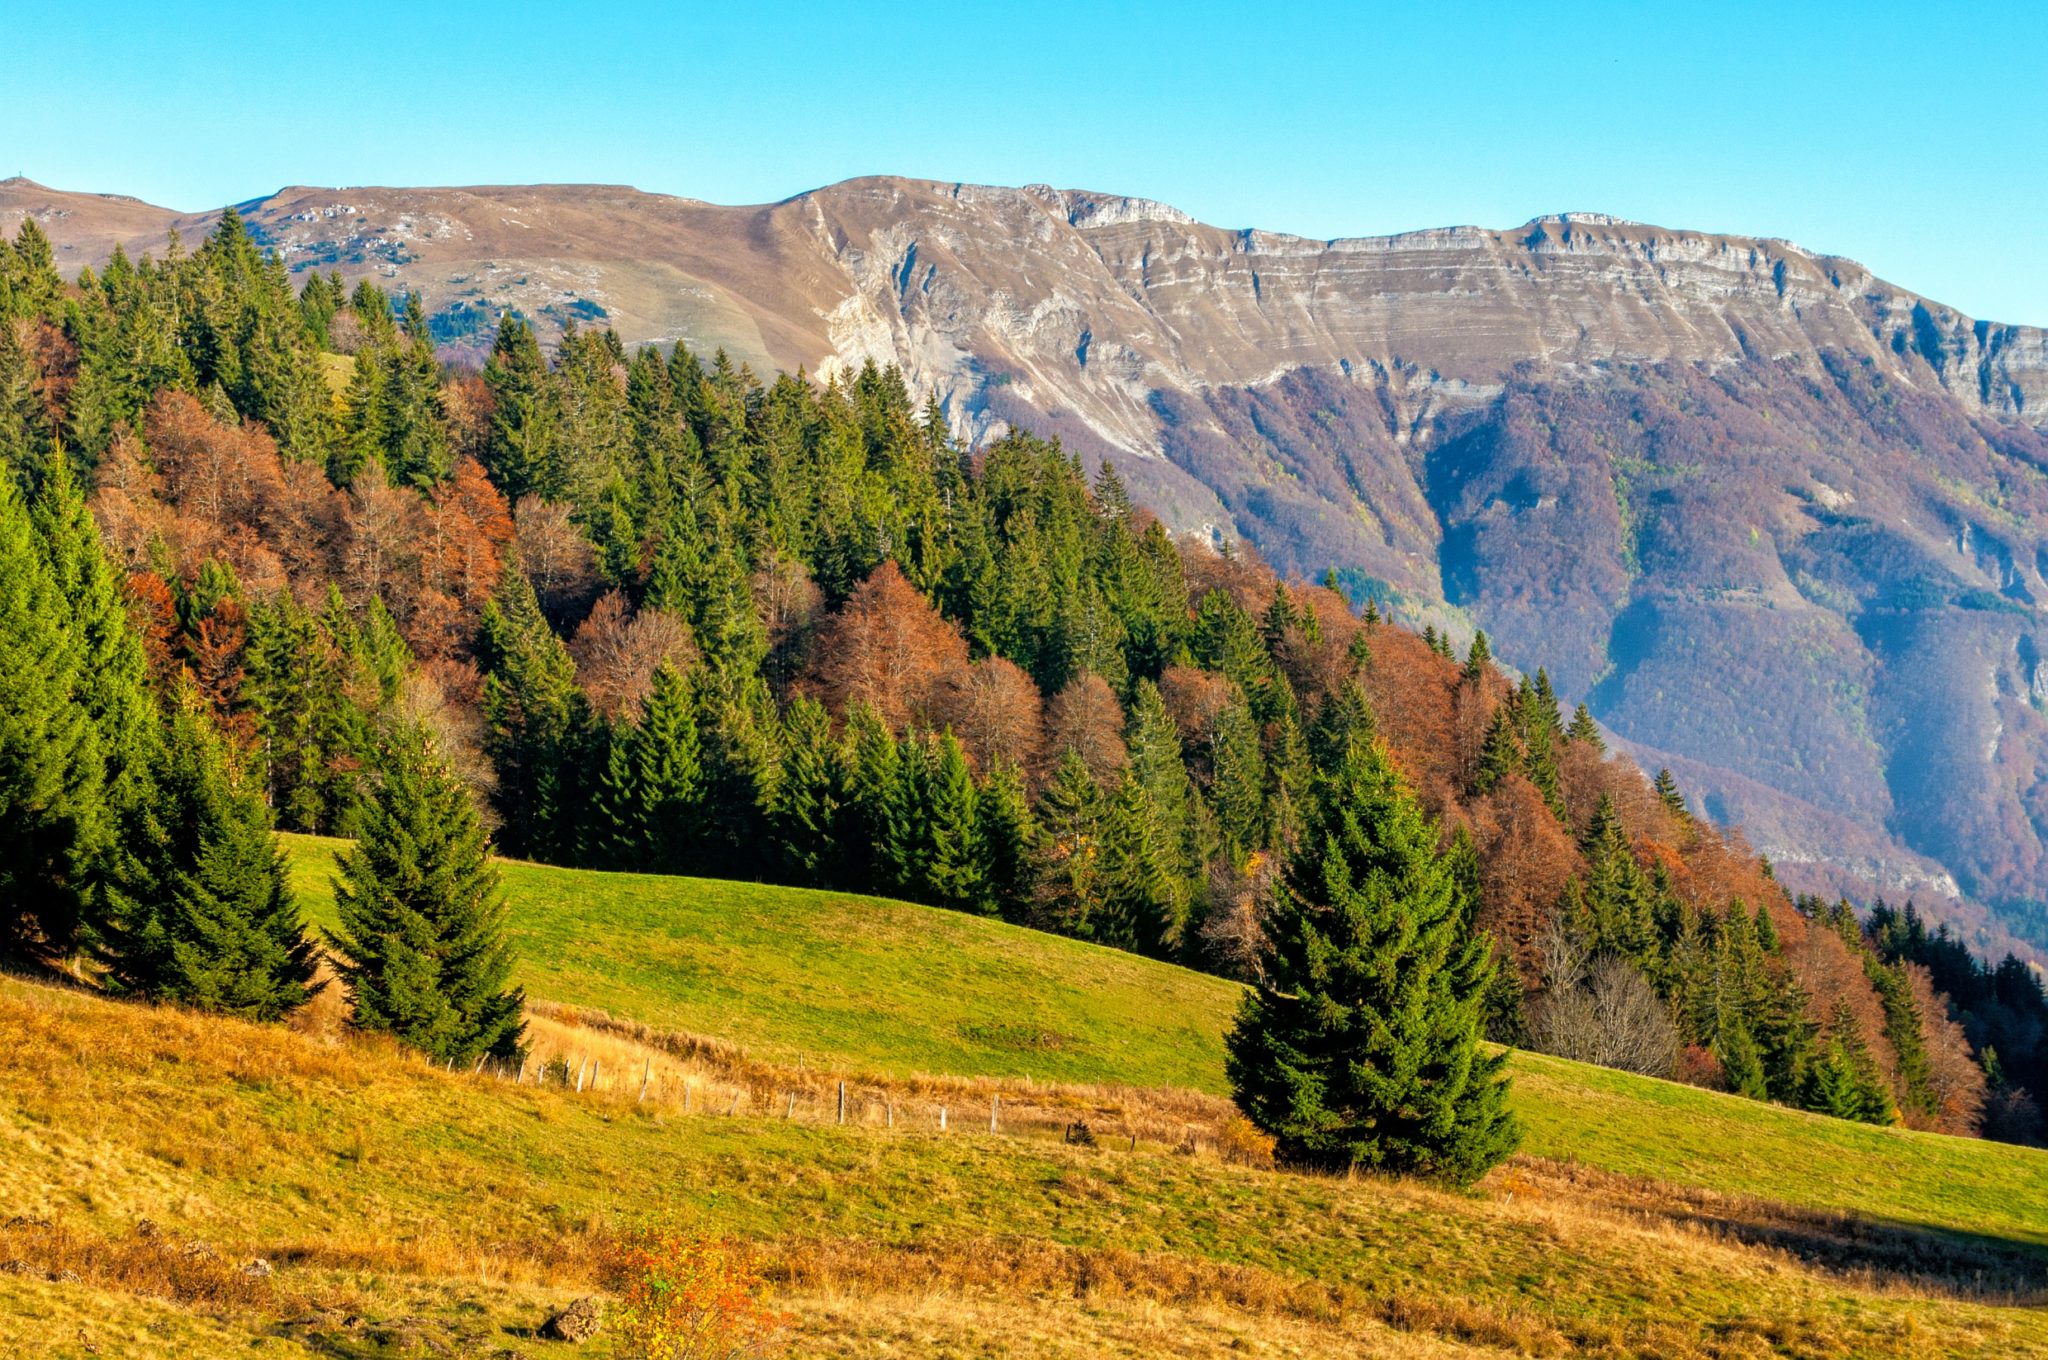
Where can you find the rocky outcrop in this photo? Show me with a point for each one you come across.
(1767, 512)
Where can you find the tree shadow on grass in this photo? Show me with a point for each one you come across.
(1856, 1248)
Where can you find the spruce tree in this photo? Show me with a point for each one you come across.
(424, 950)
(1668, 794)
(1479, 657)
(1500, 754)
(1238, 785)
(1844, 1080)
(201, 912)
(1361, 1046)
(1010, 834)
(524, 455)
(52, 799)
(804, 815)
(873, 763)
(1584, 729)
(1071, 853)
(956, 865)
(652, 795)
(536, 724)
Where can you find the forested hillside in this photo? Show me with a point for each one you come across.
(672, 616)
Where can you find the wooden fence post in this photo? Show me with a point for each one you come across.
(596, 1070)
(842, 1102)
(790, 1111)
(995, 1108)
(520, 1080)
(645, 1073)
(942, 1119)
(734, 1108)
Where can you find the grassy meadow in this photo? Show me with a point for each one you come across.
(147, 1155)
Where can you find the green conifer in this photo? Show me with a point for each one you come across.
(1500, 754)
(1478, 658)
(1361, 1046)
(202, 913)
(51, 771)
(1584, 729)
(422, 938)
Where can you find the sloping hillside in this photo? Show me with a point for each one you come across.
(403, 1207)
(1771, 515)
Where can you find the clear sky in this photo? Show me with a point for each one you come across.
(1910, 137)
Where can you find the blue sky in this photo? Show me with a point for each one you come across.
(1909, 137)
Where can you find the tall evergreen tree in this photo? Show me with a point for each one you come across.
(424, 950)
(804, 816)
(1584, 729)
(537, 724)
(1479, 657)
(1361, 1047)
(1010, 834)
(202, 913)
(524, 456)
(956, 867)
(1500, 754)
(52, 799)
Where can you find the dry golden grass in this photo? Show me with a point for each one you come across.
(396, 1200)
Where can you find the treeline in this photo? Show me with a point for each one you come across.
(662, 615)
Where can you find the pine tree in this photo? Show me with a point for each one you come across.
(1478, 658)
(804, 816)
(1010, 834)
(423, 943)
(201, 912)
(1500, 754)
(1584, 729)
(956, 869)
(51, 771)
(1668, 794)
(1361, 1047)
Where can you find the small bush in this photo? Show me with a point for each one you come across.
(1241, 1141)
(684, 1298)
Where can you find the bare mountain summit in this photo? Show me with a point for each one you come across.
(1780, 521)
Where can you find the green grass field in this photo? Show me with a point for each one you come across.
(892, 988)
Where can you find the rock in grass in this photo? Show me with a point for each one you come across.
(578, 1322)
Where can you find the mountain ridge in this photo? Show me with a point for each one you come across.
(1770, 513)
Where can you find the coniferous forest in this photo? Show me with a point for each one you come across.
(266, 562)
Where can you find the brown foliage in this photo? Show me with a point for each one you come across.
(1525, 858)
(789, 603)
(555, 556)
(1085, 718)
(887, 647)
(993, 708)
(617, 653)
(217, 473)
(1953, 1071)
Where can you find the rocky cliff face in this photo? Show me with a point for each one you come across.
(1777, 519)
